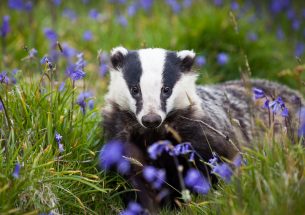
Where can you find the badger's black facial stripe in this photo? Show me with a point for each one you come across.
(171, 74)
(132, 72)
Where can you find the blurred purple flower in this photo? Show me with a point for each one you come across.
(266, 104)
(156, 149)
(122, 20)
(75, 73)
(5, 27)
(200, 60)
(61, 147)
(252, 36)
(132, 9)
(238, 160)
(94, 14)
(222, 58)
(16, 4)
(277, 106)
(291, 14)
(258, 93)
(103, 70)
(58, 137)
(223, 170)
(57, 2)
(111, 155)
(68, 52)
(146, 4)
(278, 6)
(296, 24)
(44, 60)
(33, 52)
(61, 86)
(234, 5)
(87, 36)
(4, 78)
(187, 3)
(301, 116)
(197, 182)
(16, 171)
(218, 2)
(28, 6)
(1, 106)
(133, 209)
(299, 49)
(81, 63)
(280, 33)
(50, 35)
(70, 14)
(82, 100)
(182, 149)
(154, 176)
(91, 104)
(175, 6)
(85, 1)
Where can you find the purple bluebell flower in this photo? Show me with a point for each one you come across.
(238, 160)
(187, 3)
(234, 5)
(82, 100)
(280, 33)
(68, 52)
(13, 78)
(132, 9)
(81, 63)
(223, 170)
(154, 176)
(218, 2)
(175, 6)
(44, 60)
(122, 20)
(133, 209)
(32, 53)
(111, 155)
(296, 24)
(285, 112)
(258, 93)
(200, 60)
(61, 86)
(222, 58)
(50, 35)
(146, 4)
(28, 6)
(182, 149)
(58, 137)
(301, 116)
(156, 149)
(291, 14)
(16, 171)
(75, 73)
(103, 69)
(213, 161)
(299, 49)
(16, 4)
(94, 14)
(70, 14)
(277, 106)
(57, 2)
(87, 36)
(197, 182)
(266, 104)
(61, 147)
(5, 27)
(4, 78)
(252, 36)
(91, 104)
(1, 106)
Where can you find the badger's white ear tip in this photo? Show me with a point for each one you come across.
(119, 49)
(186, 53)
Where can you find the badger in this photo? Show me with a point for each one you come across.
(152, 90)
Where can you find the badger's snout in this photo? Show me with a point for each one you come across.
(151, 120)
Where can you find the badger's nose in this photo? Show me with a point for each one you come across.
(151, 120)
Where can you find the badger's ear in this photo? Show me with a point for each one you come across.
(187, 59)
(118, 55)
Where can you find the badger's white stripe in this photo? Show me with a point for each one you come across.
(185, 53)
(152, 62)
(119, 49)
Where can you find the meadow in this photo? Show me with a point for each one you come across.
(54, 60)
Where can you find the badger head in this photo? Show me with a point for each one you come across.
(151, 83)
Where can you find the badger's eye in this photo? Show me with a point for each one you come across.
(135, 90)
(166, 91)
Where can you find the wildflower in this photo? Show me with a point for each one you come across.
(158, 148)
(154, 176)
(187, 3)
(213, 160)
(132, 9)
(4, 78)
(111, 155)
(103, 69)
(234, 5)
(61, 86)
(1, 106)
(28, 6)
(195, 180)
(252, 36)
(16, 171)
(290, 14)
(70, 14)
(266, 104)
(94, 14)
(81, 63)
(277, 106)
(32, 53)
(13, 78)
(67, 51)
(296, 24)
(218, 2)
(58, 139)
(5, 27)
(280, 33)
(91, 104)
(44, 60)
(299, 49)
(50, 35)
(182, 149)
(175, 6)
(122, 20)
(146, 4)
(56, 2)
(222, 58)
(16, 4)
(75, 73)
(87, 36)
(237, 161)
(133, 209)
(258, 93)
(200, 60)
(223, 170)
(81, 100)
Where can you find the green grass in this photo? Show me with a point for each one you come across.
(271, 182)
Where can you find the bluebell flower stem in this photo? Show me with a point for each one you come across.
(72, 104)
(179, 173)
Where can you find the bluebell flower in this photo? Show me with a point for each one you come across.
(28, 6)
(291, 14)
(299, 49)
(61, 86)
(44, 60)
(213, 161)
(87, 36)
(68, 52)
(1, 106)
(146, 4)
(91, 104)
(32, 53)
(218, 2)
(175, 6)
(266, 104)
(258, 93)
(280, 33)
(94, 14)
(13, 78)
(132, 9)
(103, 69)
(111, 155)
(222, 58)
(277, 106)
(5, 27)
(58, 137)
(200, 60)
(252, 36)
(133, 209)
(296, 24)
(197, 182)
(82, 100)
(301, 116)
(16, 4)
(122, 20)
(156, 149)
(50, 35)
(70, 14)
(223, 170)
(182, 149)
(81, 63)
(75, 72)
(234, 5)
(57, 2)
(187, 3)
(154, 176)
(238, 160)
(4, 78)
(16, 171)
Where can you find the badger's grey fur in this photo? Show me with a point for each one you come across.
(161, 85)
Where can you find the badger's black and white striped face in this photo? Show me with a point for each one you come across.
(151, 82)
